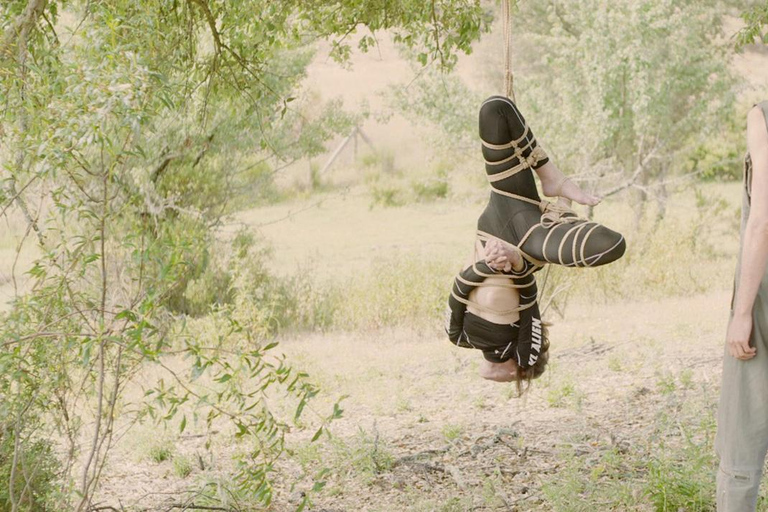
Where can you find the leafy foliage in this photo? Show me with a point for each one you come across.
(37, 462)
(613, 103)
(129, 130)
(620, 107)
(443, 100)
(756, 20)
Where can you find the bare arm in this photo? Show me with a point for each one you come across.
(754, 253)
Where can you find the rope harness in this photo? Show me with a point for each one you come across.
(521, 339)
(522, 283)
(553, 214)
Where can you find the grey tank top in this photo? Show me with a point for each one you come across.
(745, 206)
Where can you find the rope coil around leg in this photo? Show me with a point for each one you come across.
(553, 214)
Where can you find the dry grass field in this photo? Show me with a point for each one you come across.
(632, 381)
(623, 417)
(622, 420)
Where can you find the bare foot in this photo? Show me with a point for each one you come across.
(500, 255)
(498, 372)
(569, 190)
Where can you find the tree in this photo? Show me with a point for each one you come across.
(622, 94)
(756, 20)
(639, 87)
(126, 126)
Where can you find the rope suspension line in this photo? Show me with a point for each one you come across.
(509, 79)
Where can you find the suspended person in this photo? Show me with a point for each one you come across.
(493, 309)
(494, 300)
(543, 231)
(742, 422)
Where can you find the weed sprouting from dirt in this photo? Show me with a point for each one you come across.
(670, 463)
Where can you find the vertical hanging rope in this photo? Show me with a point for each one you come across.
(509, 79)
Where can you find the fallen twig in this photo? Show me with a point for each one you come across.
(415, 456)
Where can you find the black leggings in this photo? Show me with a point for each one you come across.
(514, 213)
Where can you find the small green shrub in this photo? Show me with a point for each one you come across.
(308, 455)
(254, 186)
(387, 196)
(209, 289)
(490, 493)
(160, 451)
(670, 466)
(182, 466)
(237, 271)
(398, 291)
(403, 405)
(700, 238)
(452, 432)
(220, 492)
(615, 364)
(606, 481)
(429, 190)
(683, 480)
(665, 381)
(308, 304)
(686, 378)
(382, 160)
(363, 456)
(455, 505)
(387, 161)
(369, 159)
(315, 180)
(567, 394)
(721, 158)
(35, 477)
(435, 187)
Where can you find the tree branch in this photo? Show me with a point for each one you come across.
(19, 29)
(437, 34)
(211, 20)
(567, 26)
(632, 181)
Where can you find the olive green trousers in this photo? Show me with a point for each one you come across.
(742, 421)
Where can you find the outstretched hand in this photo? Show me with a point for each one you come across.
(737, 339)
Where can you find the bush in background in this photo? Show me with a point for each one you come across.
(41, 472)
(399, 290)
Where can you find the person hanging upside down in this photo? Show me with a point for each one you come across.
(543, 231)
(494, 300)
(493, 308)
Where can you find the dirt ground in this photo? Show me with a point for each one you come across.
(455, 436)
(447, 440)
(421, 431)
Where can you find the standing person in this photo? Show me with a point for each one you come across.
(742, 423)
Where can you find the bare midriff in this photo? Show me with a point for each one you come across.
(495, 294)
